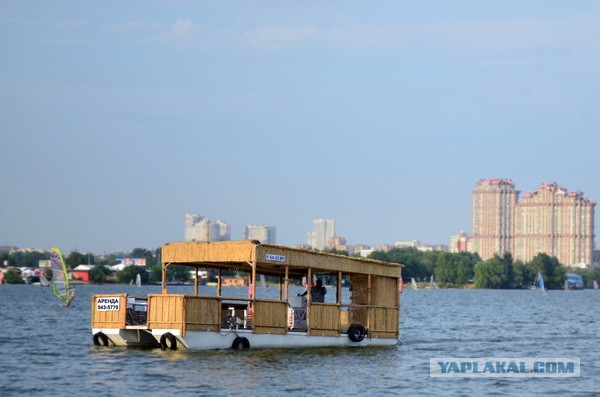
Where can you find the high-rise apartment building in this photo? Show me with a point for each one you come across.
(198, 228)
(323, 230)
(556, 222)
(551, 221)
(493, 207)
(263, 233)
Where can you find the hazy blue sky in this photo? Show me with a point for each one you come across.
(118, 118)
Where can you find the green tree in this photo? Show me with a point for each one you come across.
(26, 259)
(445, 268)
(156, 273)
(494, 273)
(13, 276)
(465, 267)
(98, 274)
(75, 259)
(178, 273)
(522, 276)
(3, 257)
(552, 270)
(130, 273)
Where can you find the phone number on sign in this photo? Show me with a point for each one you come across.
(107, 304)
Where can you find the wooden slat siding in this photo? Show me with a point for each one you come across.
(110, 319)
(385, 322)
(344, 320)
(384, 291)
(217, 252)
(202, 313)
(270, 317)
(324, 319)
(245, 252)
(166, 312)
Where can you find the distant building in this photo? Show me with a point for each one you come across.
(323, 230)
(336, 242)
(556, 222)
(263, 233)
(493, 209)
(407, 244)
(198, 228)
(459, 242)
(550, 220)
(420, 246)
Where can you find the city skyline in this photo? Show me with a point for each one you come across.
(552, 220)
(117, 119)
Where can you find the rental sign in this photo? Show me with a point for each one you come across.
(108, 303)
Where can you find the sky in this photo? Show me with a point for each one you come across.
(118, 118)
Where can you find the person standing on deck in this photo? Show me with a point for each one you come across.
(317, 292)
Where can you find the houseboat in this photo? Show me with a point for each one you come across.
(365, 314)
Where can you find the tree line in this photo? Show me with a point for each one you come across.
(449, 269)
(100, 272)
(499, 272)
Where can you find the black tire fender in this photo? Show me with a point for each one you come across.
(237, 342)
(168, 341)
(357, 332)
(100, 339)
(242, 342)
(245, 343)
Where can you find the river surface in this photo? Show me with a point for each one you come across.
(46, 349)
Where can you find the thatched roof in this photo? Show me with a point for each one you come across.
(270, 259)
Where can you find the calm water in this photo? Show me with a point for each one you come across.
(47, 349)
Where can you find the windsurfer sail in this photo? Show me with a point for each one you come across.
(60, 277)
(542, 287)
(414, 283)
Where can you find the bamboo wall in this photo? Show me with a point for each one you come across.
(377, 308)
(384, 322)
(112, 318)
(324, 319)
(270, 317)
(202, 313)
(166, 312)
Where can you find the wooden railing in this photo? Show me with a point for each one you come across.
(109, 311)
(270, 317)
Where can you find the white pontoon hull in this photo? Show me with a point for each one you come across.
(225, 339)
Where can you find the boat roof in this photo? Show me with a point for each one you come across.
(270, 259)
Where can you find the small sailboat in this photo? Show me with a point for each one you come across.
(414, 283)
(60, 277)
(138, 280)
(432, 284)
(541, 281)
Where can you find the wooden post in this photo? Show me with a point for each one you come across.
(308, 299)
(286, 284)
(164, 278)
(253, 281)
(280, 287)
(339, 288)
(196, 281)
(219, 282)
(369, 308)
